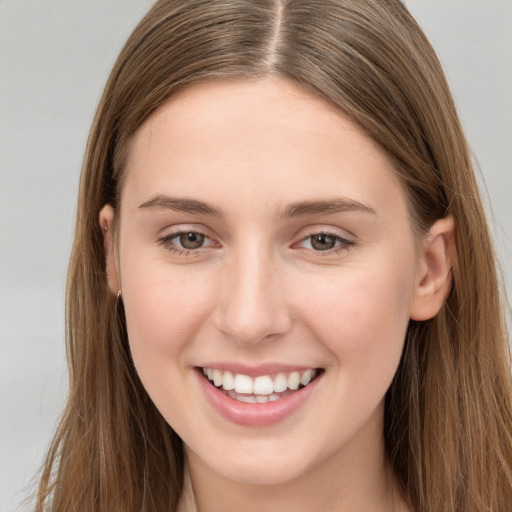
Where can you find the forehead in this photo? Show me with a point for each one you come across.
(228, 140)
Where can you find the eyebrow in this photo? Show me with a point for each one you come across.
(335, 205)
(298, 209)
(181, 205)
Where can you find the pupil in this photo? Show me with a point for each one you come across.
(323, 242)
(191, 240)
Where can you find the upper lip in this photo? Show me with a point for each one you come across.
(256, 370)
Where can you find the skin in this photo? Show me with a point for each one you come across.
(258, 291)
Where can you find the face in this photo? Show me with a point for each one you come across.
(264, 240)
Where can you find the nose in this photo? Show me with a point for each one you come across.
(252, 301)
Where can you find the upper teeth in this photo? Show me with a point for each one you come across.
(261, 385)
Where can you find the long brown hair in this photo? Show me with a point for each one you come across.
(448, 419)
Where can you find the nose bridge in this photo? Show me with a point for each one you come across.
(252, 303)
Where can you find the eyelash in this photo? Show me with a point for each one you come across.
(344, 243)
(170, 246)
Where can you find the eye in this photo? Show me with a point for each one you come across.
(323, 242)
(185, 241)
(191, 240)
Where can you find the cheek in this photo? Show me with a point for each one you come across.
(362, 317)
(164, 311)
(361, 320)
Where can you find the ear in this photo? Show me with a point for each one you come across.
(433, 277)
(106, 220)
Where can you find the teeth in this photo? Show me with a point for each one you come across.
(280, 383)
(217, 377)
(260, 399)
(228, 381)
(306, 377)
(262, 388)
(243, 383)
(251, 399)
(294, 380)
(263, 385)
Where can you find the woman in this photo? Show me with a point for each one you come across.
(282, 293)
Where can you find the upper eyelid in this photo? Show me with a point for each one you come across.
(170, 236)
(346, 235)
(326, 232)
(172, 231)
(174, 234)
(344, 241)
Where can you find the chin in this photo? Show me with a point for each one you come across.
(261, 473)
(257, 463)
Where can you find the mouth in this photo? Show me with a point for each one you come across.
(262, 388)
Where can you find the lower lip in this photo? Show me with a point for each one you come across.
(255, 415)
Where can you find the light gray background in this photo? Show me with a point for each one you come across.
(54, 59)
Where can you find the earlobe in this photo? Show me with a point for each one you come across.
(106, 220)
(433, 279)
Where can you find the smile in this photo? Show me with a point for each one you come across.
(258, 397)
(260, 389)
